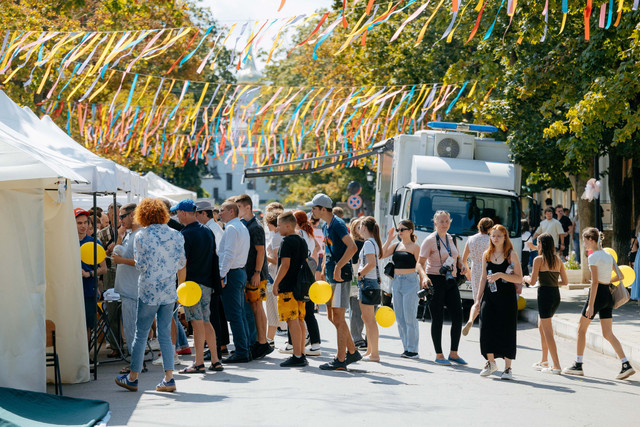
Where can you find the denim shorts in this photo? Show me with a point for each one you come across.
(369, 292)
(202, 309)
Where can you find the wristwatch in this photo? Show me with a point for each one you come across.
(257, 272)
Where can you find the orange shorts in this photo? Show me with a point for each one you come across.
(256, 294)
(289, 308)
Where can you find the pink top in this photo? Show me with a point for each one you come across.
(429, 250)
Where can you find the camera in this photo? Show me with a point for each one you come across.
(426, 293)
(447, 270)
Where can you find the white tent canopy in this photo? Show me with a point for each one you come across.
(159, 187)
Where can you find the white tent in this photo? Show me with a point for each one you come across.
(159, 187)
(39, 263)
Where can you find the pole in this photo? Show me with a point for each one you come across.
(95, 284)
(596, 205)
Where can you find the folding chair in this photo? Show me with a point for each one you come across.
(52, 358)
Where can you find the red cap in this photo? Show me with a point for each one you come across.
(79, 211)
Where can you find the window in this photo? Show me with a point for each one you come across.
(229, 182)
(216, 193)
(251, 184)
(466, 209)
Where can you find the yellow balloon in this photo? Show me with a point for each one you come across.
(385, 316)
(612, 253)
(522, 303)
(189, 293)
(320, 292)
(86, 253)
(629, 275)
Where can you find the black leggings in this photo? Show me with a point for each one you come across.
(312, 323)
(445, 295)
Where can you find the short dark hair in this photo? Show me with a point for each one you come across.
(208, 213)
(548, 201)
(245, 200)
(524, 225)
(549, 209)
(338, 211)
(287, 217)
(559, 206)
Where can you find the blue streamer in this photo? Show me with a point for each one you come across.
(610, 15)
(133, 86)
(453, 103)
(186, 58)
(490, 30)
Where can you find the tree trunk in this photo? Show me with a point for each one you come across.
(620, 190)
(586, 216)
(635, 179)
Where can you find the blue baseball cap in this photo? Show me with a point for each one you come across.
(186, 205)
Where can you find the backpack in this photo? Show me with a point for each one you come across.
(305, 277)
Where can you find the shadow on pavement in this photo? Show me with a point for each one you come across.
(191, 397)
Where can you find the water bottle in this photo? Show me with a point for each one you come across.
(492, 285)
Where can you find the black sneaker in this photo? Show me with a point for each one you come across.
(295, 362)
(258, 351)
(576, 369)
(334, 365)
(207, 354)
(352, 357)
(626, 371)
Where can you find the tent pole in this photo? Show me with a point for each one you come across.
(95, 284)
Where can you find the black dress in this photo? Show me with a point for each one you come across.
(499, 316)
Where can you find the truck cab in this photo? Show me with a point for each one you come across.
(469, 176)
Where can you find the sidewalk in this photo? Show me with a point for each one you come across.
(626, 322)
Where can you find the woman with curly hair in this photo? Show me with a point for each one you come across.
(158, 254)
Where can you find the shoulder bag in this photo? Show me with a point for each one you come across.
(390, 268)
(619, 293)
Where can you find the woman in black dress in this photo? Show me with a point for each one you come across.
(498, 302)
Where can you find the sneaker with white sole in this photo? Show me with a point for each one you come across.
(626, 371)
(575, 369)
(154, 344)
(176, 360)
(507, 374)
(551, 371)
(288, 349)
(312, 351)
(489, 368)
(539, 366)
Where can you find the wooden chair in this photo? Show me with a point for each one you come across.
(52, 358)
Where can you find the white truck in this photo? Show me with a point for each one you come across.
(467, 175)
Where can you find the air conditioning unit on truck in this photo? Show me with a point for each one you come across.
(444, 168)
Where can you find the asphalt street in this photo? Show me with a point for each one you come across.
(395, 392)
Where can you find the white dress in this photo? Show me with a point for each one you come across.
(477, 244)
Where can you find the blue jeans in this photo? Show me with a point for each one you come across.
(405, 289)
(129, 310)
(250, 324)
(181, 340)
(144, 319)
(234, 303)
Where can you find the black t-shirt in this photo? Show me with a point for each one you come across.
(294, 247)
(566, 223)
(199, 245)
(257, 238)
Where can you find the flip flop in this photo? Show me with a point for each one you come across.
(193, 369)
(216, 367)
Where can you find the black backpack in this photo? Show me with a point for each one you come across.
(305, 277)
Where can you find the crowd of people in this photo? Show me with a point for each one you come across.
(247, 271)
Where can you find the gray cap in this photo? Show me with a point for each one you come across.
(203, 206)
(322, 200)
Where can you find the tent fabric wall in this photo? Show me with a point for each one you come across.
(159, 187)
(22, 307)
(64, 297)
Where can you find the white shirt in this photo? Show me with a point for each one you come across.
(553, 227)
(604, 262)
(217, 230)
(526, 238)
(310, 241)
(369, 247)
(234, 246)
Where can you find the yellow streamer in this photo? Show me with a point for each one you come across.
(424, 28)
(94, 94)
(97, 65)
(564, 21)
(44, 78)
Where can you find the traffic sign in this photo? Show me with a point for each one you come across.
(354, 201)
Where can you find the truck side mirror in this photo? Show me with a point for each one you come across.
(534, 213)
(395, 204)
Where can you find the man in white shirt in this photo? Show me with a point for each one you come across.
(232, 253)
(204, 215)
(552, 226)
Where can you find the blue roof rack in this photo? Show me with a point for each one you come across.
(462, 127)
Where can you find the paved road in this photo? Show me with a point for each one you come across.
(396, 392)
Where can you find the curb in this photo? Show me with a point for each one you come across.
(595, 340)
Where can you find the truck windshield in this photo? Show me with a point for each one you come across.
(466, 209)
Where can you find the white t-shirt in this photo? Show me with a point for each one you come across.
(553, 227)
(369, 247)
(604, 262)
(273, 244)
(526, 238)
(311, 242)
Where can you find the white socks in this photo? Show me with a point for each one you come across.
(579, 359)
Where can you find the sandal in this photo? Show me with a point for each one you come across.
(193, 369)
(216, 367)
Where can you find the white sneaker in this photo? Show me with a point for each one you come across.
(507, 375)
(288, 349)
(489, 368)
(551, 371)
(176, 360)
(539, 366)
(154, 344)
(157, 361)
(311, 351)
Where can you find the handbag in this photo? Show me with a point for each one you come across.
(619, 293)
(390, 268)
(372, 296)
(304, 279)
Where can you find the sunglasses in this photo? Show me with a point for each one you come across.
(400, 230)
(123, 216)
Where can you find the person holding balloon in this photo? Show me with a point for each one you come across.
(599, 301)
(159, 255)
(547, 267)
(405, 285)
(89, 280)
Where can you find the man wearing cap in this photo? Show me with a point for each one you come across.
(89, 281)
(199, 247)
(339, 248)
(233, 252)
(204, 215)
